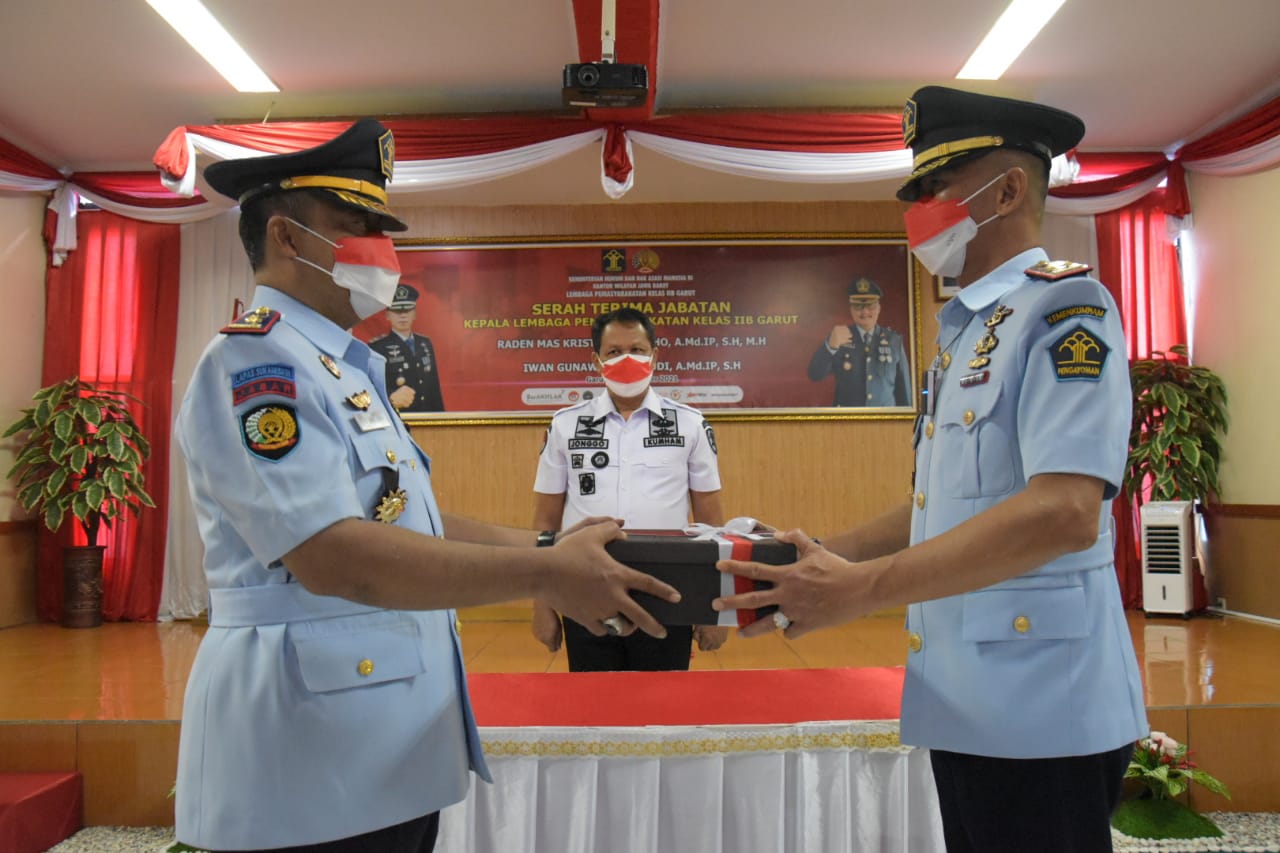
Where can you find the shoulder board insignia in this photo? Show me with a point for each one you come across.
(256, 322)
(1055, 270)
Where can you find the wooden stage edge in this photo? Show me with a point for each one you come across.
(107, 701)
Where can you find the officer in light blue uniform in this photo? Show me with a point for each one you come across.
(1021, 677)
(328, 704)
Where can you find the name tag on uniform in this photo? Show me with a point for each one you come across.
(371, 420)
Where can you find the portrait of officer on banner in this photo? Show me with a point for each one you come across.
(866, 358)
(413, 373)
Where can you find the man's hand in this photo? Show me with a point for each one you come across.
(710, 637)
(546, 627)
(840, 337)
(402, 397)
(589, 586)
(587, 522)
(817, 591)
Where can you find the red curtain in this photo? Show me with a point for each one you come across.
(110, 315)
(1138, 262)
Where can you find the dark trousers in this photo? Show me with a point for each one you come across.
(412, 836)
(1037, 805)
(638, 652)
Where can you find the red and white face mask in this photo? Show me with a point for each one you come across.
(938, 232)
(627, 375)
(367, 267)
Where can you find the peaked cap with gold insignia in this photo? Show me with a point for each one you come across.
(354, 167)
(942, 126)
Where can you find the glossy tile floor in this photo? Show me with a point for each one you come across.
(138, 671)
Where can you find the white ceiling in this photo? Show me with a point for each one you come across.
(89, 85)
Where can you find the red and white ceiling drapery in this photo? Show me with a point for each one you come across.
(798, 147)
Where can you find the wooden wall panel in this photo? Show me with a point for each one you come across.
(17, 573)
(1242, 562)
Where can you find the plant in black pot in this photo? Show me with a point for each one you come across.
(1179, 416)
(1179, 412)
(81, 457)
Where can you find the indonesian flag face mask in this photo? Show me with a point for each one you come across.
(938, 232)
(627, 375)
(367, 267)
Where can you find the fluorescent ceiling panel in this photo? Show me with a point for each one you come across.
(203, 32)
(1014, 30)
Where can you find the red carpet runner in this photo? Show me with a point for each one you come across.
(720, 697)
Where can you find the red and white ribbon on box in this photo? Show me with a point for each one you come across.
(736, 542)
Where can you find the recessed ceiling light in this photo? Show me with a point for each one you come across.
(1015, 29)
(203, 32)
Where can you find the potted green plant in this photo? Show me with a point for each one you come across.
(1163, 770)
(1179, 411)
(81, 457)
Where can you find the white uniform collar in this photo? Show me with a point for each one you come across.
(603, 405)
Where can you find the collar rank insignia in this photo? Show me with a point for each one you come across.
(360, 400)
(1055, 270)
(393, 503)
(256, 322)
(330, 365)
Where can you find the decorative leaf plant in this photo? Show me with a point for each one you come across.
(1179, 413)
(81, 457)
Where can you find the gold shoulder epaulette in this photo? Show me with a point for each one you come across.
(256, 322)
(1055, 270)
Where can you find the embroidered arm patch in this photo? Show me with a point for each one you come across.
(270, 431)
(263, 379)
(1078, 356)
(1056, 317)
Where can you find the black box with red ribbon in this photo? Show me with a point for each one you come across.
(688, 563)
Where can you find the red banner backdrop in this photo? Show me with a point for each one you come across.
(737, 321)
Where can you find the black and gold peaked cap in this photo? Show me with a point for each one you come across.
(943, 125)
(354, 166)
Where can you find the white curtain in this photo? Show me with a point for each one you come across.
(801, 788)
(214, 274)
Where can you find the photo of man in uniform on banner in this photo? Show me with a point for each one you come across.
(413, 374)
(867, 359)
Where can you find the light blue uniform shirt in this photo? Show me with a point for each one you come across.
(1042, 664)
(308, 718)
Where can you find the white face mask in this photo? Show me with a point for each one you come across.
(627, 375)
(367, 267)
(939, 232)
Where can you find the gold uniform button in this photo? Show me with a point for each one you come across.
(391, 456)
(946, 360)
(920, 500)
(365, 667)
(914, 642)
(928, 430)
(968, 417)
(1022, 624)
(413, 466)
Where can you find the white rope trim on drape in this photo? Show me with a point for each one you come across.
(797, 166)
(1256, 158)
(1103, 203)
(25, 183)
(411, 175)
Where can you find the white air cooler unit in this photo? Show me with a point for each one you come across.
(1167, 552)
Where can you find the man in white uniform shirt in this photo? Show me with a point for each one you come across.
(632, 455)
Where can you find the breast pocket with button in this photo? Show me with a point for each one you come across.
(974, 446)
